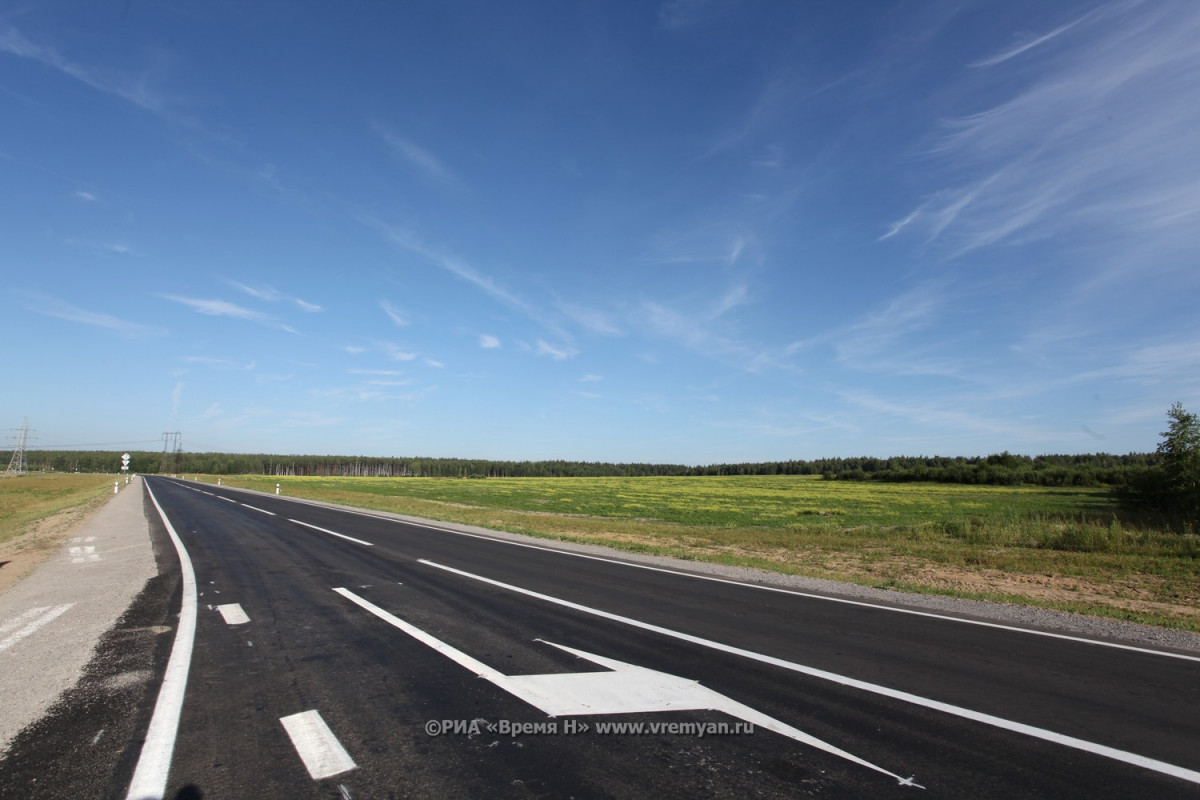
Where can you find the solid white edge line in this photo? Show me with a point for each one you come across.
(256, 508)
(331, 533)
(154, 764)
(895, 694)
(321, 752)
(780, 590)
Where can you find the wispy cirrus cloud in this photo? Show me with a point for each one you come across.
(393, 313)
(273, 295)
(488, 342)
(396, 352)
(560, 353)
(413, 155)
(1097, 141)
(1027, 43)
(223, 308)
(406, 239)
(140, 89)
(218, 363)
(60, 309)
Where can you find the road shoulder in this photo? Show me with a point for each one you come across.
(53, 619)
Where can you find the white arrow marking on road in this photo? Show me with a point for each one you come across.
(627, 689)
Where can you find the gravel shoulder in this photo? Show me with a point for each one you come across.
(52, 619)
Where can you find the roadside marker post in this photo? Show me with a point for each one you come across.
(277, 488)
(116, 486)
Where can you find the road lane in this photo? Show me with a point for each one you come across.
(1004, 673)
(304, 645)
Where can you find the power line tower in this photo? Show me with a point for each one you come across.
(17, 464)
(172, 452)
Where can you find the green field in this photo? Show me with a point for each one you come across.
(27, 499)
(1063, 548)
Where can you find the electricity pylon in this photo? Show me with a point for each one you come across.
(16, 464)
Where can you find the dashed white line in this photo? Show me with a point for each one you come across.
(29, 622)
(332, 533)
(321, 752)
(233, 614)
(260, 510)
(758, 586)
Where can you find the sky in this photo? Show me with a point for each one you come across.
(691, 231)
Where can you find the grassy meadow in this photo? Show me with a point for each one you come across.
(27, 499)
(1065, 548)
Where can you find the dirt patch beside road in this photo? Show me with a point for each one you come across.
(20, 555)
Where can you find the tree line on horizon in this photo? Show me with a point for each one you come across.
(1003, 469)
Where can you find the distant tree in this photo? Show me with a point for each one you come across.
(1172, 485)
(1180, 451)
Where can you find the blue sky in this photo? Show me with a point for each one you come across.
(695, 231)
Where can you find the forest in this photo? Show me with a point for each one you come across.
(1003, 469)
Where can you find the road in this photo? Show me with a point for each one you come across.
(348, 655)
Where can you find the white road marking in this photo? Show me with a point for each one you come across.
(28, 623)
(82, 554)
(233, 614)
(321, 752)
(226, 499)
(627, 689)
(895, 694)
(256, 508)
(332, 533)
(20, 619)
(765, 588)
(154, 763)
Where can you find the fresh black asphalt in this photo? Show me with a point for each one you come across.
(307, 647)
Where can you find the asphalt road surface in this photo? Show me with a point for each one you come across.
(344, 655)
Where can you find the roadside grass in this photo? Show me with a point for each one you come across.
(1065, 548)
(27, 499)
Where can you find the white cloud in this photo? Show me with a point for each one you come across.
(396, 352)
(138, 89)
(88, 196)
(273, 295)
(561, 353)
(591, 319)
(223, 308)
(354, 350)
(488, 342)
(393, 313)
(53, 307)
(1028, 43)
(218, 363)
(425, 161)
(384, 372)
(1093, 141)
(591, 379)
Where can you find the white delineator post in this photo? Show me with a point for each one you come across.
(116, 486)
(277, 488)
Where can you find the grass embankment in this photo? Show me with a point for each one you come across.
(1069, 549)
(37, 511)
